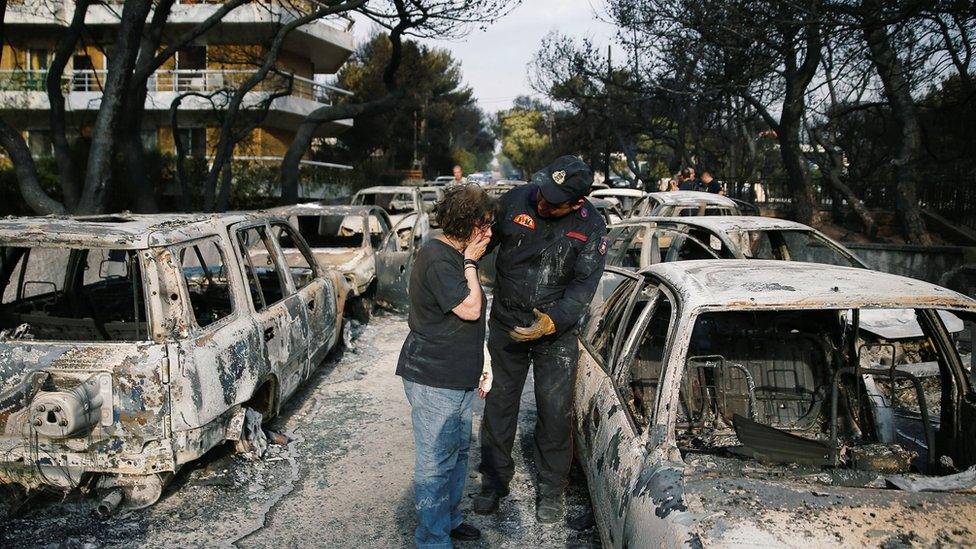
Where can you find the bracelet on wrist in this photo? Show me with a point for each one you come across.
(470, 262)
(471, 266)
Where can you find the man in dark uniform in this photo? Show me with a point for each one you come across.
(551, 245)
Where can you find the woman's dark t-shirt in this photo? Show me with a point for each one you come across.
(441, 350)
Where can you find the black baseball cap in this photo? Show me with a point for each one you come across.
(567, 179)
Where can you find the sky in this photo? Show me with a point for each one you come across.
(494, 61)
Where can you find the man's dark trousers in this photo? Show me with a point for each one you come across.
(554, 361)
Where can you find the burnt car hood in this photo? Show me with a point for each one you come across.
(743, 511)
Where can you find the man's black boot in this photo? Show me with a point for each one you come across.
(465, 532)
(550, 509)
(486, 502)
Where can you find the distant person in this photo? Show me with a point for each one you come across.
(688, 181)
(710, 185)
(442, 360)
(673, 184)
(458, 176)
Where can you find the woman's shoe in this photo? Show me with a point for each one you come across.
(465, 532)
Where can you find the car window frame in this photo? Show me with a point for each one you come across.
(185, 290)
(584, 338)
(631, 343)
(685, 237)
(303, 248)
(276, 257)
(384, 220)
(823, 239)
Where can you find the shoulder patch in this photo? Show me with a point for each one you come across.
(524, 220)
(604, 244)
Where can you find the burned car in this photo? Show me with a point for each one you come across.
(355, 241)
(608, 208)
(131, 345)
(641, 241)
(684, 204)
(401, 203)
(739, 403)
(626, 198)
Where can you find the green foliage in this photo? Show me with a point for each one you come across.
(438, 113)
(525, 140)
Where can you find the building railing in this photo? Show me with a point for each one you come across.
(340, 21)
(179, 81)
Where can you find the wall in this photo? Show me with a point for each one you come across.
(927, 263)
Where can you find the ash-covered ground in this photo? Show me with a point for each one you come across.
(346, 479)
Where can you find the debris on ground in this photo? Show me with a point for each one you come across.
(350, 455)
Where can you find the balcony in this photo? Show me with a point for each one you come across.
(24, 92)
(327, 42)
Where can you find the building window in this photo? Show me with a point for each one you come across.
(192, 58)
(193, 141)
(84, 78)
(38, 59)
(190, 64)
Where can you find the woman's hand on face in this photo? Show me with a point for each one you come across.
(476, 246)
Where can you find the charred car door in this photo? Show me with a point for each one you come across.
(600, 418)
(221, 363)
(276, 307)
(619, 404)
(394, 262)
(317, 292)
(646, 484)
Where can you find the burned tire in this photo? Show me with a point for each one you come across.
(360, 309)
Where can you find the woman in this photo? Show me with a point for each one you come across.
(442, 360)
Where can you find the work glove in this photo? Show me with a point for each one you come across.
(542, 326)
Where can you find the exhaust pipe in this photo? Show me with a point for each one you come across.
(109, 503)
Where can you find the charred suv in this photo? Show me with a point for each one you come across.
(132, 345)
(746, 403)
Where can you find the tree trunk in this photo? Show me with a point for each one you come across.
(30, 187)
(94, 196)
(804, 201)
(890, 69)
(226, 178)
(140, 193)
(290, 164)
(57, 114)
(832, 166)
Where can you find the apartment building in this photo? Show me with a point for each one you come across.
(220, 59)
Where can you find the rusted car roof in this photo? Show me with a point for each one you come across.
(119, 231)
(691, 197)
(723, 223)
(765, 284)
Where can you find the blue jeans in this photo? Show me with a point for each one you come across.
(442, 433)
